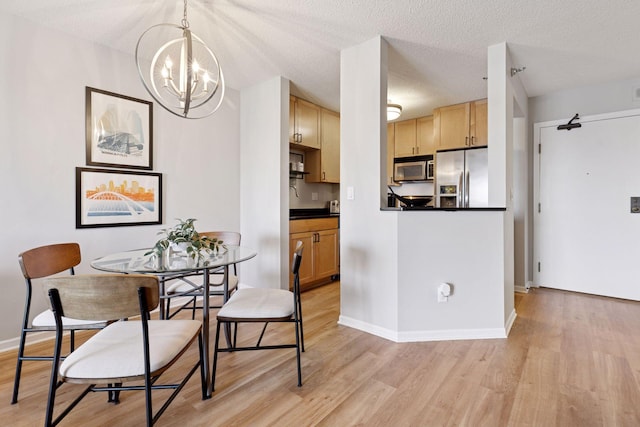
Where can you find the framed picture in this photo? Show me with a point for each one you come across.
(111, 198)
(119, 130)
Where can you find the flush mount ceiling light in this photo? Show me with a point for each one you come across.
(393, 111)
(179, 71)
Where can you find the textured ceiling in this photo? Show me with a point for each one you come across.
(438, 48)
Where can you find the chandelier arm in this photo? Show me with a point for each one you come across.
(187, 86)
(173, 90)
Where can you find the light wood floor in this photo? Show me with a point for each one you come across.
(571, 360)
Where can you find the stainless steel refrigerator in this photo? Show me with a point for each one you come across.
(462, 178)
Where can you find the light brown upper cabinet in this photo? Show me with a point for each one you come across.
(390, 152)
(324, 165)
(461, 125)
(426, 141)
(479, 128)
(304, 124)
(414, 137)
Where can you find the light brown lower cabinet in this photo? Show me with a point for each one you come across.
(320, 257)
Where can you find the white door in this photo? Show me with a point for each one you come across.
(586, 238)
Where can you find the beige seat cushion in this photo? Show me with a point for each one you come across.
(116, 351)
(215, 284)
(256, 303)
(47, 319)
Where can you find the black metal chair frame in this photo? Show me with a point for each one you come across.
(28, 276)
(296, 318)
(197, 290)
(115, 388)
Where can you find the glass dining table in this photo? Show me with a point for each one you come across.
(176, 266)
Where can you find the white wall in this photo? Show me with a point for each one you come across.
(264, 182)
(43, 75)
(607, 97)
(464, 249)
(392, 262)
(368, 237)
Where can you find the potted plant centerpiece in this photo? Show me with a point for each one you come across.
(183, 238)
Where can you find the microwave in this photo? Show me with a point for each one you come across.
(413, 169)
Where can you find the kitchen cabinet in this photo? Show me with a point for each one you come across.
(425, 140)
(461, 125)
(304, 124)
(320, 256)
(414, 137)
(390, 152)
(479, 128)
(324, 165)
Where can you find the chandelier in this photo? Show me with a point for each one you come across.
(179, 70)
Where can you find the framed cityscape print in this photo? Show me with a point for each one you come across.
(111, 198)
(119, 130)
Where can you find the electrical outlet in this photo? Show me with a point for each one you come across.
(314, 196)
(444, 290)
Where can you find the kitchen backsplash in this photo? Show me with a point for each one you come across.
(304, 195)
(323, 193)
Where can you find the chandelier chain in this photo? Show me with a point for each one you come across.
(185, 22)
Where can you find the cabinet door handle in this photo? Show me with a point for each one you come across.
(473, 140)
(324, 176)
(466, 140)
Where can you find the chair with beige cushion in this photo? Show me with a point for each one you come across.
(135, 350)
(191, 286)
(264, 305)
(37, 263)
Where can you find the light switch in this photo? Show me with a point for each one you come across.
(350, 195)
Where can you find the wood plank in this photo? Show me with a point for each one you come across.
(571, 359)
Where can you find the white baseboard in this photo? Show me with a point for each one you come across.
(510, 321)
(32, 338)
(36, 337)
(435, 335)
(521, 289)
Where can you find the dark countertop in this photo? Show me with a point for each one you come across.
(311, 213)
(430, 209)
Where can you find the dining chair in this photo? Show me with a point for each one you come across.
(38, 263)
(264, 305)
(191, 286)
(124, 351)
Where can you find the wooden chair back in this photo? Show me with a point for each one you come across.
(104, 296)
(49, 260)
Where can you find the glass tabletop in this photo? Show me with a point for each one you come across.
(141, 261)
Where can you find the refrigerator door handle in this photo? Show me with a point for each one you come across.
(466, 192)
(459, 202)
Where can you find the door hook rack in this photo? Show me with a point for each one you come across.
(571, 125)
